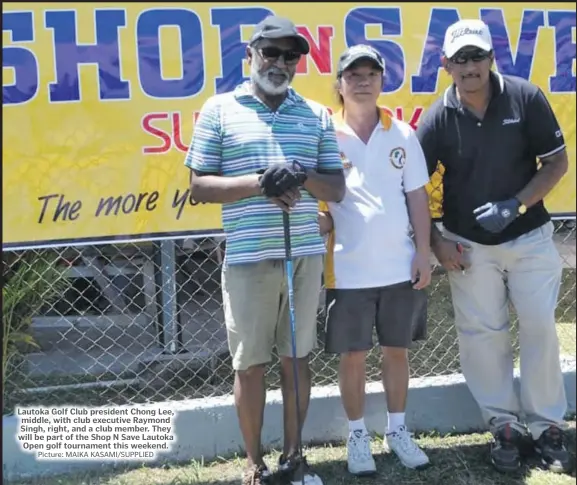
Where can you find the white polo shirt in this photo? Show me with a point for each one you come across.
(371, 244)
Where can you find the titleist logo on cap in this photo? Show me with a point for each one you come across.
(465, 31)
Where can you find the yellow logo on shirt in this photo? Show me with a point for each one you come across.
(398, 157)
(346, 162)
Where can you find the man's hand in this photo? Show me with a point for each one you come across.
(448, 254)
(496, 216)
(325, 223)
(287, 200)
(280, 178)
(421, 270)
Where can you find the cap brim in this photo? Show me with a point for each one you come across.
(360, 57)
(467, 42)
(302, 42)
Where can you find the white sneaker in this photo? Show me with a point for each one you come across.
(359, 457)
(401, 442)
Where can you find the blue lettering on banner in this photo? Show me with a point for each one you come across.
(564, 80)
(69, 55)
(191, 53)
(20, 59)
(439, 21)
(522, 64)
(389, 19)
(232, 48)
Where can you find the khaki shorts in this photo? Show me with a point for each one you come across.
(255, 300)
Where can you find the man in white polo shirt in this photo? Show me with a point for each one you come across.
(377, 263)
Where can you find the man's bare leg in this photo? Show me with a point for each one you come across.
(352, 372)
(250, 398)
(396, 382)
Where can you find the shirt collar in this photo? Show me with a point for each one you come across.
(384, 119)
(450, 99)
(244, 90)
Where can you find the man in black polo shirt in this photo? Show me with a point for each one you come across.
(488, 131)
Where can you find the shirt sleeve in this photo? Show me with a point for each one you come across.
(545, 135)
(329, 153)
(415, 173)
(427, 136)
(205, 151)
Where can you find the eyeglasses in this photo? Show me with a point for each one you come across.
(475, 56)
(272, 54)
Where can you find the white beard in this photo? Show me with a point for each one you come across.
(264, 83)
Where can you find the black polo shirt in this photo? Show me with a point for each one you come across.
(492, 159)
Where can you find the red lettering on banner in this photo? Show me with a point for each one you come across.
(321, 52)
(156, 132)
(172, 137)
(417, 112)
(176, 132)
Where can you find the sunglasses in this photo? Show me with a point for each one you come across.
(475, 56)
(272, 54)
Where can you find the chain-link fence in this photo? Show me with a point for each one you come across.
(130, 323)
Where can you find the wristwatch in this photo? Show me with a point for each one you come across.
(522, 207)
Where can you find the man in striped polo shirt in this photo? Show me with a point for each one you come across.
(259, 150)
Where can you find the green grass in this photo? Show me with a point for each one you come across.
(455, 460)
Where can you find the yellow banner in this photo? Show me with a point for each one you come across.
(99, 99)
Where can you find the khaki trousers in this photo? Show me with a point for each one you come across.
(527, 273)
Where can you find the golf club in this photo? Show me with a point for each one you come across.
(291, 309)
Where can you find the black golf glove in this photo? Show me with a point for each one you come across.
(282, 177)
(496, 216)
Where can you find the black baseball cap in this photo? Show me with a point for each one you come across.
(274, 27)
(356, 53)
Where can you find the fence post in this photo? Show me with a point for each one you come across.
(169, 317)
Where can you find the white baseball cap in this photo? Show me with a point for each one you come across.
(465, 33)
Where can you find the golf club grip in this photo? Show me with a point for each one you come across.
(287, 235)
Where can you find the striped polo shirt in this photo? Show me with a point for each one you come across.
(237, 134)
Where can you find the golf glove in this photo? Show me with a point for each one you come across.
(496, 216)
(279, 178)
